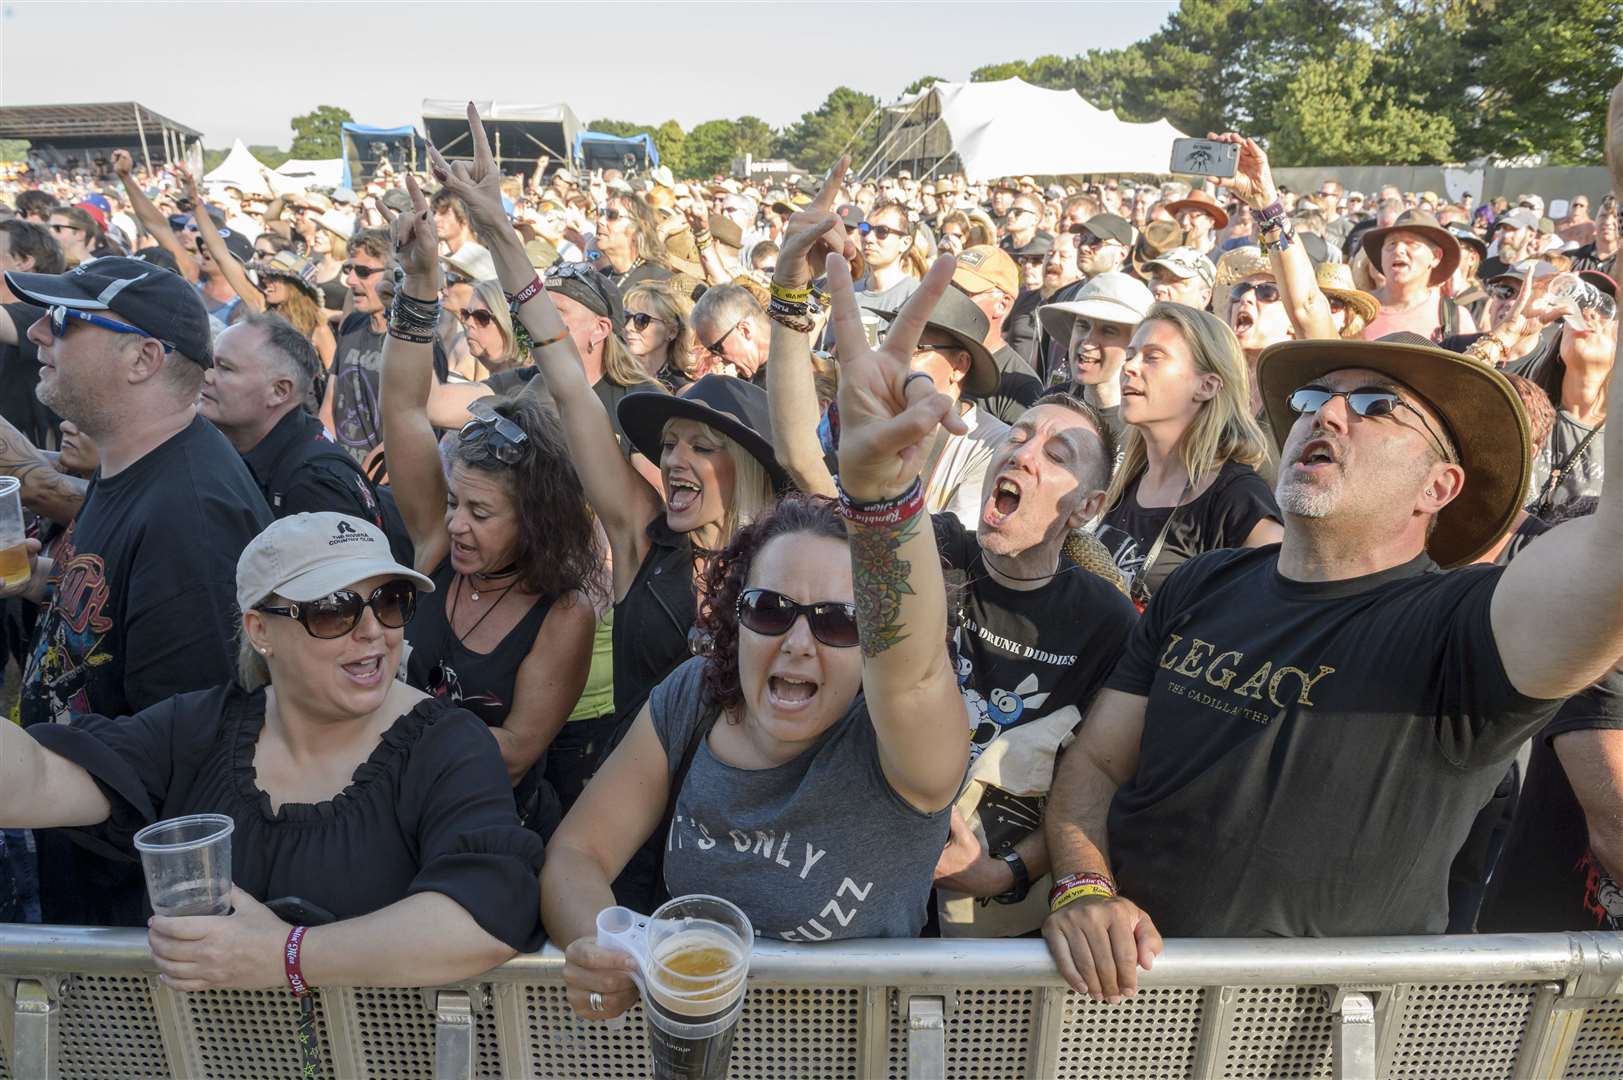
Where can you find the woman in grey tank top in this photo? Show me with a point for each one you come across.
(820, 775)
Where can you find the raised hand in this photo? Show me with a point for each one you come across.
(123, 163)
(188, 186)
(479, 183)
(886, 416)
(416, 243)
(1253, 180)
(812, 233)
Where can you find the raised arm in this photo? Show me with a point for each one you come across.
(408, 379)
(1299, 288)
(152, 219)
(1098, 941)
(1558, 619)
(234, 272)
(808, 238)
(623, 502)
(887, 417)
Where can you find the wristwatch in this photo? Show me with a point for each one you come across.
(1022, 878)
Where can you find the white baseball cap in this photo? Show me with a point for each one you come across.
(304, 557)
(1186, 263)
(1112, 297)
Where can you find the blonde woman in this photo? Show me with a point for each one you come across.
(1188, 479)
(658, 335)
(489, 327)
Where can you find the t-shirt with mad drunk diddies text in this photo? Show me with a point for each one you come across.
(1314, 753)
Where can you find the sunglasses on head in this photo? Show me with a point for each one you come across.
(582, 273)
(883, 232)
(495, 433)
(1267, 292)
(338, 613)
(60, 315)
(480, 317)
(641, 320)
(1371, 402)
(772, 614)
(361, 272)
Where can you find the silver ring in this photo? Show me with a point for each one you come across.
(595, 1001)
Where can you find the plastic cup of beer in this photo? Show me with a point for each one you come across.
(698, 957)
(187, 862)
(13, 535)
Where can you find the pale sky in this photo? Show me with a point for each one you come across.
(244, 69)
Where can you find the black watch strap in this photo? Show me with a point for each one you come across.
(1022, 878)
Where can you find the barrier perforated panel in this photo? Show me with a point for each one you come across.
(487, 1060)
(1461, 1031)
(988, 1035)
(1597, 1053)
(1150, 1036)
(564, 1047)
(109, 1030)
(250, 1034)
(1279, 1031)
(394, 1033)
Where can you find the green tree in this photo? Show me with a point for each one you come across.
(671, 142)
(1341, 115)
(622, 128)
(709, 148)
(316, 133)
(1053, 72)
(921, 82)
(817, 139)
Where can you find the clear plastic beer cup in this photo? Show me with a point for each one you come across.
(13, 536)
(187, 862)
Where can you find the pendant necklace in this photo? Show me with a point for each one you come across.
(473, 579)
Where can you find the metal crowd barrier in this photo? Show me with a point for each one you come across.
(85, 1003)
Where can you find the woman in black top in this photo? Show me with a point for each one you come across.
(1188, 479)
(508, 542)
(349, 790)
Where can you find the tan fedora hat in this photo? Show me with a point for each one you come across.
(1199, 200)
(1480, 410)
(1417, 221)
(1336, 282)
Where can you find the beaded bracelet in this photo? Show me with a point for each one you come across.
(884, 512)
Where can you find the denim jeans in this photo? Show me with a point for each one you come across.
(19, 877)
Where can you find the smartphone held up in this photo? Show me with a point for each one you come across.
(1203, 157)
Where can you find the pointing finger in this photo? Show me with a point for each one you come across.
(482, 156)
(418, 201)
(849, 340)
(909, 322)
(831, 186)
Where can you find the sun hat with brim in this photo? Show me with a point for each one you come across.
(295, 270)
(1199, 200)
(1336, 282)
(303, 557)
(1417, 221)
(1481, 412)
(956, 315)
(1470, 239)
(736, 408)
(1112, 297)
(1239, 263)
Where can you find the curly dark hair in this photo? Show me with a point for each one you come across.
(724, 579)
(557, 551)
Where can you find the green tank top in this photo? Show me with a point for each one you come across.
(598, 697)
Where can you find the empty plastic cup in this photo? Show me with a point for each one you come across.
(187, 861)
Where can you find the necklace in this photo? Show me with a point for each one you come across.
(473, 579)
(450, 616)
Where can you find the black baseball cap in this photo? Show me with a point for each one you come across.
(146, 296)
(1110, 227)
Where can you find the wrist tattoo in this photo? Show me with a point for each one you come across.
(880, 580)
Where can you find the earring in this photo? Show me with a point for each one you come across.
(264, 652)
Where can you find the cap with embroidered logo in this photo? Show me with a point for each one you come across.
(304, 557)
(151, 299)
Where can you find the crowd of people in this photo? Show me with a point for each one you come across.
(891, 557)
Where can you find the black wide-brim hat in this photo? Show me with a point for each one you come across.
(1480, 409)
(736, 408)
(957, 316)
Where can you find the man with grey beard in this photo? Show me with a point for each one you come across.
(1298, 737)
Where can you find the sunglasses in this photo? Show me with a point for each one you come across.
(1500, 290)
(1337, 305)
(612, 214)
(1031, 260)
(715, 349)
(496, 434)
(361, 272)
(883, 232)
(771, 614)
(1267, 292)
(479, 316)
(1085, 239)
(60, 315)
(1370, 402)
(337, 614)
(641, 320)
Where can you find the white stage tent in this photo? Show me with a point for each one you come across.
(1012, 128)
(240, 169)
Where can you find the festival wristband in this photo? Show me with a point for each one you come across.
(1086, 877)
(290, 961)
(526, 294)
(1271, 215)
(1077, 893)
(405, 335)
(884, 512)
(791, 296)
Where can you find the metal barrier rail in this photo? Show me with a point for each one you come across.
(84, 1003)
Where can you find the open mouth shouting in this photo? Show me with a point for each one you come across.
(790, 693)
(1243, 321)
(367, 671)
(682, 494)
(1003, 503)
(1317, 455)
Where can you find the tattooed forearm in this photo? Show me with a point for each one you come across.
(879, 576)
(46, 491)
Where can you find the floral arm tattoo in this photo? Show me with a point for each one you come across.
(880, 578)
(47, 492)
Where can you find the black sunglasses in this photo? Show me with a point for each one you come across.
(715, 349)
(1267, 292)
(1368, 401)
(771, 614)
(481, 316)
(337, 614)
(499, 436)
(641, 320)
(883, 232)
(361, 272)
(1500, 290)
(612, 214)
(1031, 260)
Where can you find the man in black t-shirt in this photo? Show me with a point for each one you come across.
(139, 603)
(25, 247)
(1034, 637)
(1299, 737)
(351, 410)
